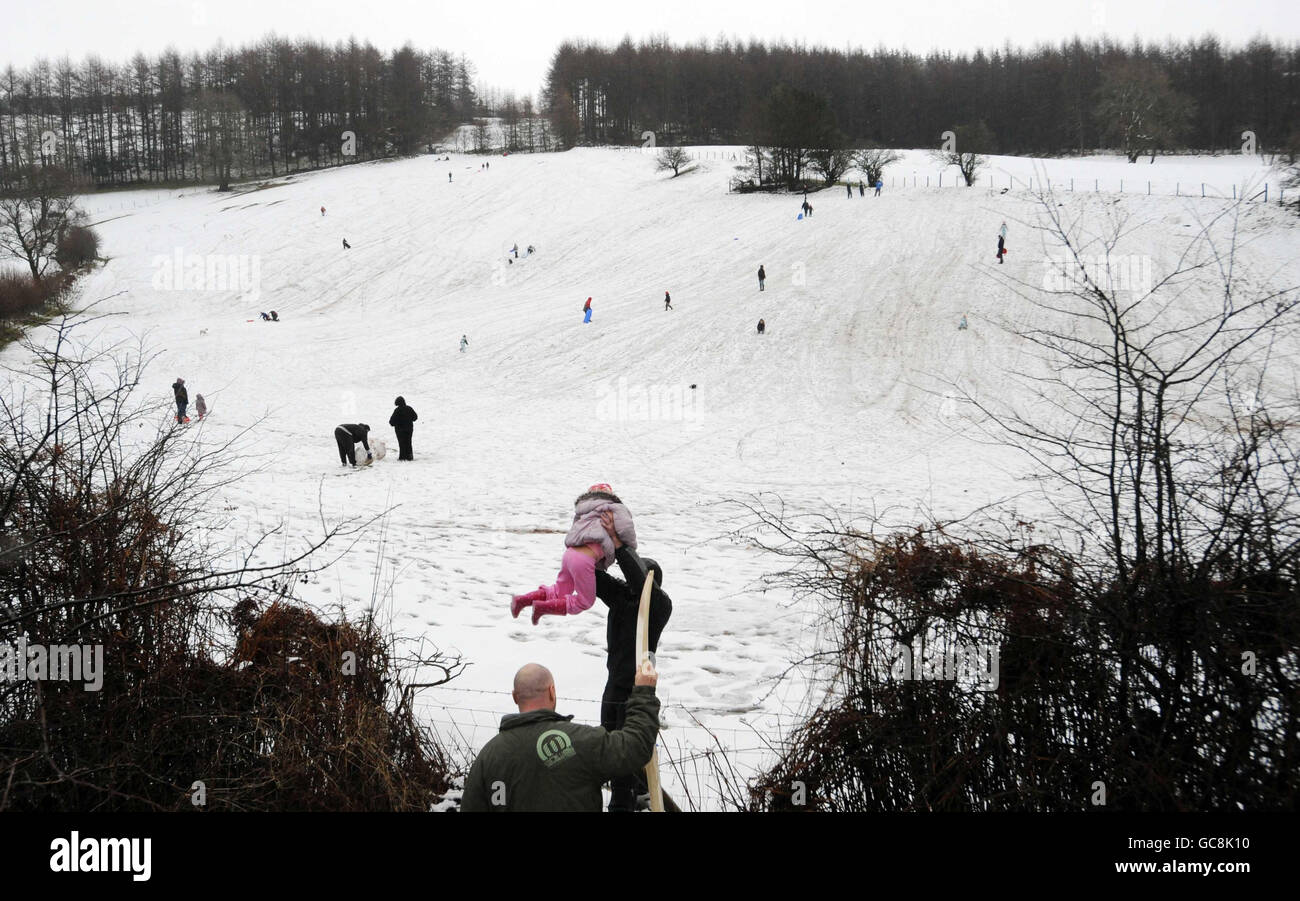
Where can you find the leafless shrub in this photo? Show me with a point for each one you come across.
(219, 687)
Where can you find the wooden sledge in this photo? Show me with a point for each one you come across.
(643, 660)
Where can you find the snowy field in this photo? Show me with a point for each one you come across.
(841, 407)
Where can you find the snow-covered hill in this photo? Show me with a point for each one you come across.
(840, 406)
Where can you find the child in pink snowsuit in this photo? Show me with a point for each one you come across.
(588, 548)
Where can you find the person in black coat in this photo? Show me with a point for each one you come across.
(182, 398)
(347, 436)
(403, 423)
(623, 598)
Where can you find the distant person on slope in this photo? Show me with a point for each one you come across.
(623, 598)
(589, 547)
(586, 311)
(1002, 248)
(347, 436)
(668, 301)
(403, 423)
(849, 188)
(200, 406)
(762, 326)
(346, 245)
(322, 211)
(182, 399)
(464, 343)
(880, 183)
(862, 190)
(762, 277)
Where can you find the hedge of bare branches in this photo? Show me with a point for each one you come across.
(219, 688)
(1148, 627)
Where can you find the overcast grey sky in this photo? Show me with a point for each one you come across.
(511, 41)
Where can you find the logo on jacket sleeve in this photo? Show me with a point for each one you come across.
(554, 747)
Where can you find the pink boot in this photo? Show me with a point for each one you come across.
(520, 601)
(549, 607)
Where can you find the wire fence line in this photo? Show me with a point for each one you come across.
(486, 717)
(1263, 192)
(704, 775)
(710, 711)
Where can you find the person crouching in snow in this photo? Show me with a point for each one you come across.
(588, 548)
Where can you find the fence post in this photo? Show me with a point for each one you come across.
(1121, 186)
(1096, 186)
(927, 181)
(1266, 192)
(1148, 188)
(1176, 194)
(1071, 184)
(1234, 190)
(941, 179)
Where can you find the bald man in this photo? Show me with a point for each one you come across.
(541, 761)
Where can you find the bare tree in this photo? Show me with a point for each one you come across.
(1158, 383)
(212, 655)
(831, 162)
(1137, 107)
(672, 158)
(482, 136)
(1149, 620)
(873, 160)
(35, 214)
(970, 144)
(1288, 161)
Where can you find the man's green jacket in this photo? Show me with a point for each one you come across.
(542, 761)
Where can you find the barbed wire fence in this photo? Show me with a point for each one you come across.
(702, 775)
(1263, 192)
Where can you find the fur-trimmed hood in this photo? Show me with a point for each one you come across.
(587, 528)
